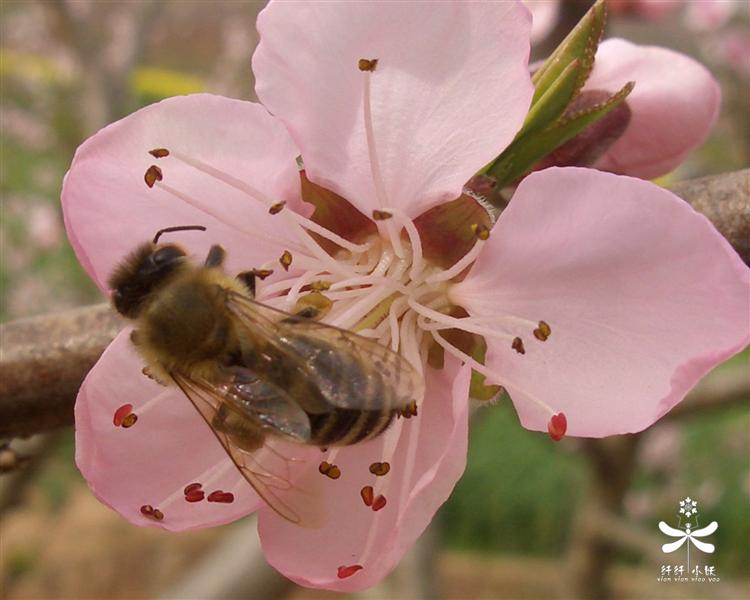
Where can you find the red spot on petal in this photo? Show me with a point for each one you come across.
(121, 413)
(193, 487)
(221, 496)
(557, 426)
(368, 495)
(378, 503)
(347, 571)
(147, 510)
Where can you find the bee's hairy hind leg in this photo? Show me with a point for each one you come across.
(215, 256)
(248, 279)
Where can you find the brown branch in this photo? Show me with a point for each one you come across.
(44, 359)
(725, 200)
(43, 362)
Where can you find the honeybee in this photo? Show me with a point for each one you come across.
(255, 373)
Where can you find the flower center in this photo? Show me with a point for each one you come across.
(384, 288)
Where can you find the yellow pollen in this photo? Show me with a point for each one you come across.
(481, 231)
(367, 64)
(286, 260)
(381, 215)
(542, 332)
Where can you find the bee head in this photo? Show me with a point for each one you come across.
(141, 273)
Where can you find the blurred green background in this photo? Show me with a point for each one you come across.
(67, 69)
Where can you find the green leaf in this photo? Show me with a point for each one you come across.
(580, 44)
(555, 100)
(525, 151)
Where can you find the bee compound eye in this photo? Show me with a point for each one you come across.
(166, 254)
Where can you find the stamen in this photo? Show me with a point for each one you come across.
(152, 175)
(443, 321)
(377, 178)
(277, 208)
(557, 426)
(481, 231)
(345, 571)
(378, 503)
(286, 260)
(294, 291)
(194, 493)
(255, 234)
(380, 468)
(259, 196)
(458, 268)
(517, 345)
(159, 152)
(491, 376)
(367, 64)
(381, 215)
(542, 332)
(368, 495)
(329, 470)
(417, 260)
(221, 497)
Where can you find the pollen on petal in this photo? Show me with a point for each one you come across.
(262, 273)
(221, 496)
(482, 232)
(159, 152)
(367, 64)
(368, 495)
(286, 260)
(152, 513)
(409, 411)
(345, 571)
(129, 420)
(153, 174)
(121, 413)
(381, 215)
(542, 332)
(380, 468)
(378, 503)
(329, 470)
(518, 346)
(557, 426)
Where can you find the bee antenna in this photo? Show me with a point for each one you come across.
(178, 228)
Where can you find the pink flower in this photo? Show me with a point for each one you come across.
(602, 299)
(669, 113)
(545, 14)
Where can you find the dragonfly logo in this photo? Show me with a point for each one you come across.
(688, 533)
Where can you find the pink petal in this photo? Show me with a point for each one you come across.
(109, 209)
(674, 105)
(450, 90)
(150, 463)
(642, 294)
(433, 443)
(545, 14)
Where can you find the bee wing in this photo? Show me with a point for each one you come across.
(266, 469)
(324, 354)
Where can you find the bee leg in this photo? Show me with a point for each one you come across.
(134, 337)
(215, 256)
(248, 279)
